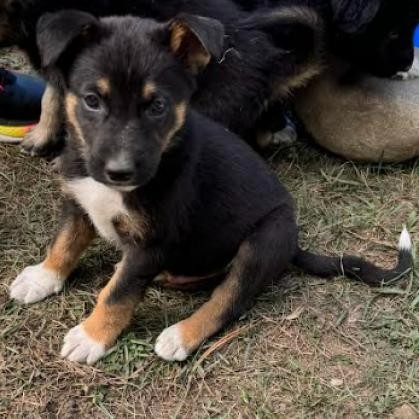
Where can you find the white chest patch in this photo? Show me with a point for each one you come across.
(102, 203)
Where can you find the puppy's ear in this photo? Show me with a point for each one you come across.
(58, 32)
(195, 39)
(351, 15)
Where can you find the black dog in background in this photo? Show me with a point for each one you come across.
(374, 36)
(365, 36)
(176, 191)
(277, 50)
(251, 72)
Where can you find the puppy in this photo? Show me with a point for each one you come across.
(174, 190)
(235, 90)
(374, 36)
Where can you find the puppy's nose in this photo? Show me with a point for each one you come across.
(119, 170)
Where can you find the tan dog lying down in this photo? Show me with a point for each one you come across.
(374, 120)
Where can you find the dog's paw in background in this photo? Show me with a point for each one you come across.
(39, 141)
(284, 137)
(170, 346)
(44, 138)
(412, 74)
(34, 284)
(79, 347)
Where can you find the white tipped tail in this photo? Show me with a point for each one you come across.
(405, 241)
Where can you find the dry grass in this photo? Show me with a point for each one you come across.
(309, 348)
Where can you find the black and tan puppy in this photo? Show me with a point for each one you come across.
(233, 90)
(174, 190)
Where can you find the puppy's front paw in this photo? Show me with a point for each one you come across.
(170, 345)
(79, 347)
(34, 284)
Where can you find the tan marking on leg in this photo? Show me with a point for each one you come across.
(180, 114)
(104, 86)
(69, 244)
(71, 103)
(208, 319)
(148, 90)
(108, 320)
(50, 121)
(215, 313)
(51, 104)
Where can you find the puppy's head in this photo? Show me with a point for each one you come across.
(128, 83)
(376, 35)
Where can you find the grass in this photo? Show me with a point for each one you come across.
(309, 347)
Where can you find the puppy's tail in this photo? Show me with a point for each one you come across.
(357, 268)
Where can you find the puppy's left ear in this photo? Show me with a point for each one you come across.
(195, 39)
(351, 16)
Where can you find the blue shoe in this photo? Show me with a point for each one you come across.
(20, 98)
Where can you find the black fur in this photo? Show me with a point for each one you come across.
(353, 267)
(383, 45)
(233, 90)
(211, 203)
(75, 26)
(375, 36)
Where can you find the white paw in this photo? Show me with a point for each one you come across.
(78, 347)
(286, 136)
(412, 74)
(34, 284)
(169, 345)
(406, 75)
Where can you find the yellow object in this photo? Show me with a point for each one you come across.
(15, 132)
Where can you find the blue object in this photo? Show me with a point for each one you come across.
(20, 96)
(417, 37)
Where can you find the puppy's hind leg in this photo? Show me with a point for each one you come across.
(44, 137)
(261, 258)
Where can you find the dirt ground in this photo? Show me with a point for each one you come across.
(309, 347)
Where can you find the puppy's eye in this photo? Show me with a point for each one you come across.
(393, 35)
(92, 102)
(158, 107)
